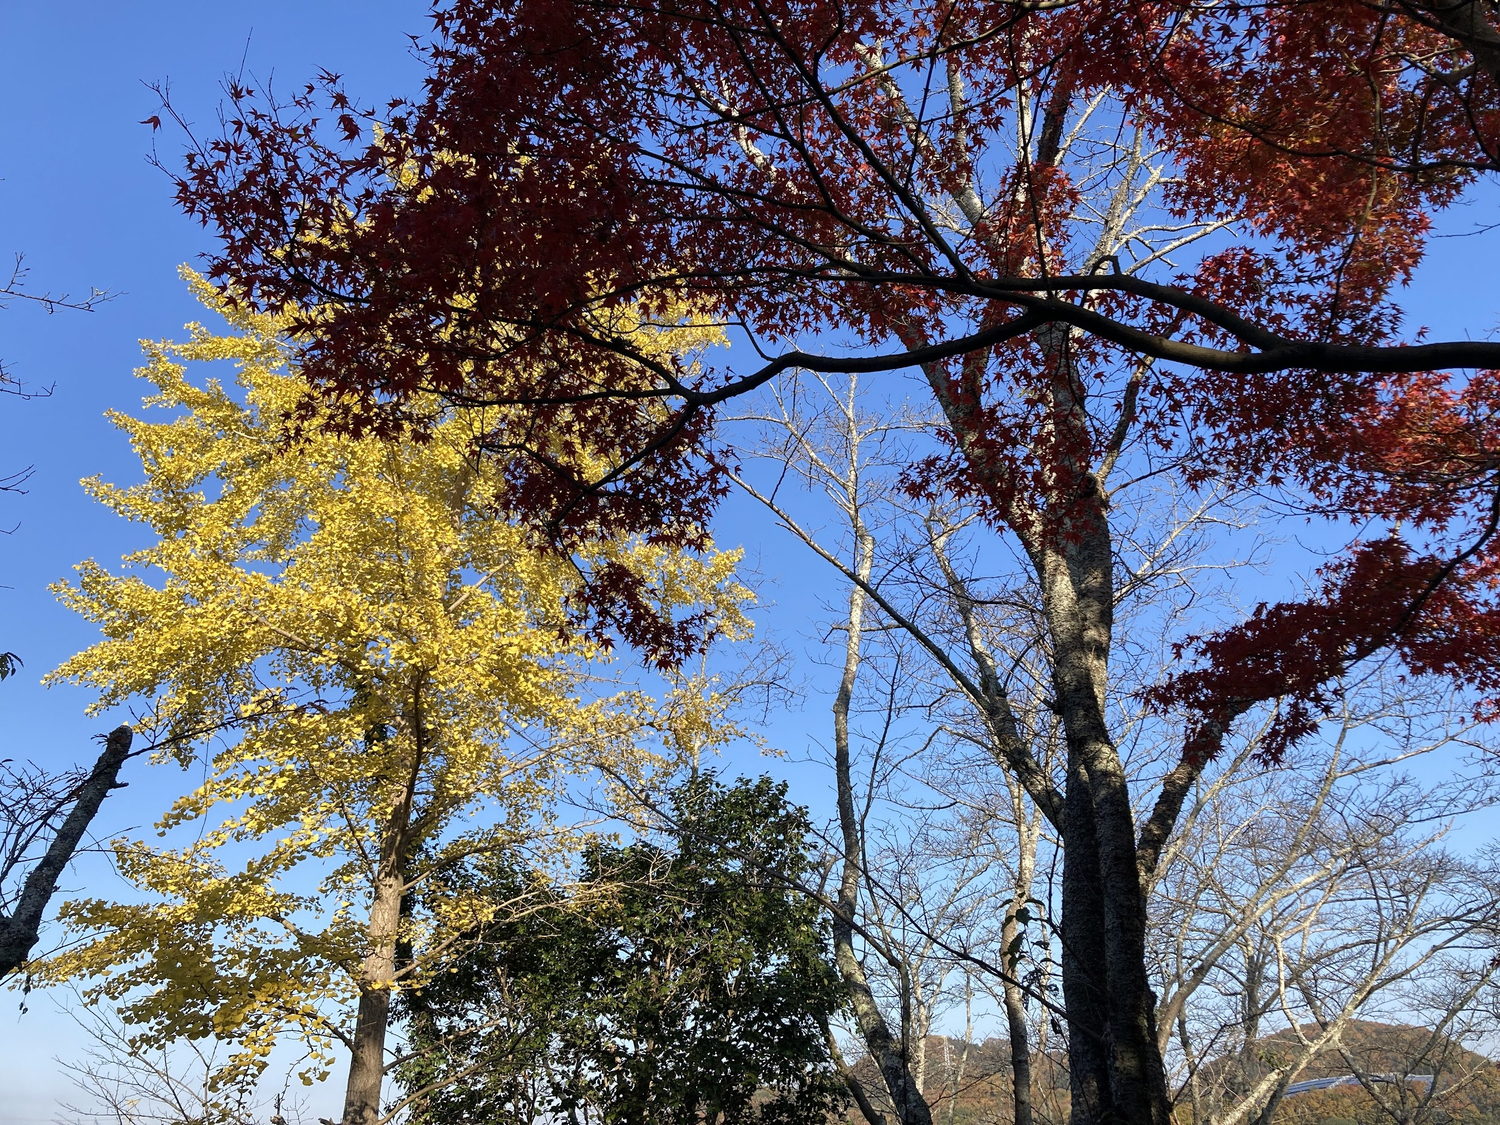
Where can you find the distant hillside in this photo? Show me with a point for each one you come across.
(981, 1080)
(1384, 1048)
(1467, 1087)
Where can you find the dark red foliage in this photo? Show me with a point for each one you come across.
(776, 165)
(1432, 613)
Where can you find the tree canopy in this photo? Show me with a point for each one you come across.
(385, 681)
(1119, 246)
(939, 187)
(687, 979)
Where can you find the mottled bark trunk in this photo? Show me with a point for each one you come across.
(1104, 922)
(1020, 1054)
(1077, 584)
(1138, 1079)
(1084, 980)
(915, 1035)
(1014, 1001)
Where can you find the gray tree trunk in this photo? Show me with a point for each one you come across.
(384, 937)
(1077, 583)
(20, 932)
(367, 1061)
(1084, 980)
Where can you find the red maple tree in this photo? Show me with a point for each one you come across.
(861, 187)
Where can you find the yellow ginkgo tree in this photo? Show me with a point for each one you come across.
(377, 678)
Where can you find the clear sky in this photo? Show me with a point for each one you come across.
(79, 198)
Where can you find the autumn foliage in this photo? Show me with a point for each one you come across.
(374, 681)
(1149, 238)
(775, 165)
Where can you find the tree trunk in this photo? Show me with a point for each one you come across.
(1084, 980)
(1020, 1054)
(1077, 584)
(915, 1035)
(367, 1063)
(1027, 831)
(384, 935)
(1104, 917)
(884, 1048)
(1138, 1080)
(19, 933)
(906, 1096)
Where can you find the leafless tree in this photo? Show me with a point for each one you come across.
(122, 1081)
(14, 289)
(1297, 902)
(1284, 902)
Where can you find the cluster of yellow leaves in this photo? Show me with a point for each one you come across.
(335, 622)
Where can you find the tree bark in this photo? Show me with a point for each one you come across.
(1015, 1008)
(1084, 980)
(1138, 1081)
(1074, 560)
(1078, 600)
(1468, 23)
(367, 1061)
(384, 936)
(20, 932)
(1020, 1055)
(906, 1096)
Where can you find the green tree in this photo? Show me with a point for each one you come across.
(687, 980)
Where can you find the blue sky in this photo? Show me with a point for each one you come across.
(78, 197)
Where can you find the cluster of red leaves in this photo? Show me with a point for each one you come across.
(1381, 596)
(1287, 106)
(573, 163)
(1420, 455)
